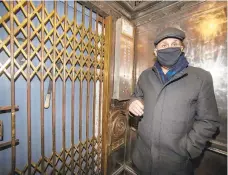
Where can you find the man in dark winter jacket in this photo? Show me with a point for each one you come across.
(179, 110)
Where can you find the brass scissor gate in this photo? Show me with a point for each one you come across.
(68, 137)
(21, 61)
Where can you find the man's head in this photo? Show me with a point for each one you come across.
(169, 45)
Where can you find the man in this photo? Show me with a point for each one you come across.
(179, 110)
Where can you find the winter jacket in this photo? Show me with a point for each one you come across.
(179, 118)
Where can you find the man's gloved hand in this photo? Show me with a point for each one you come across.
(137, 108)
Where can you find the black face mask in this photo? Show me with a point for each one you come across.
(168, 57)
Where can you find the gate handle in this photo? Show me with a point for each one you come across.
(7, 145)
(47, 101)
(48, 96)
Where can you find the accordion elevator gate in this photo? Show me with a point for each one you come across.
(54, 74)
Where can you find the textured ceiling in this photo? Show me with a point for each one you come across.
(139, 12)
(136, 6)
(137, 9)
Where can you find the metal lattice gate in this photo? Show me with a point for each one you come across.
(52, 66)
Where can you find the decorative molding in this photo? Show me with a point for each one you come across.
(119, 124)
(189, 10)
(166, 9)
(152, 8)
(119, 9)
(116, 9)
(102, 8)
(108, 8)
(136, 6)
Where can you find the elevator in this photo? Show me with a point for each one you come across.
(67, 72)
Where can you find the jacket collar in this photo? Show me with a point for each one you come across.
(177, 76)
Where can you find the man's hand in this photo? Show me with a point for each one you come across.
(136, 107)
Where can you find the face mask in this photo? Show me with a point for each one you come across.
(168, 57)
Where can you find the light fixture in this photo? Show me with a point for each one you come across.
(209, 27)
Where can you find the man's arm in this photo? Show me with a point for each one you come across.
(138, 93)
(207, 119)
(136, 102)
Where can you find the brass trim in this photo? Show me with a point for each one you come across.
(217, 151)
(29, 87)
(42, 89)
(73, 87)
(106, 93)
(94, 92)
(64, 93)
(53, 91)
(13, 132)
